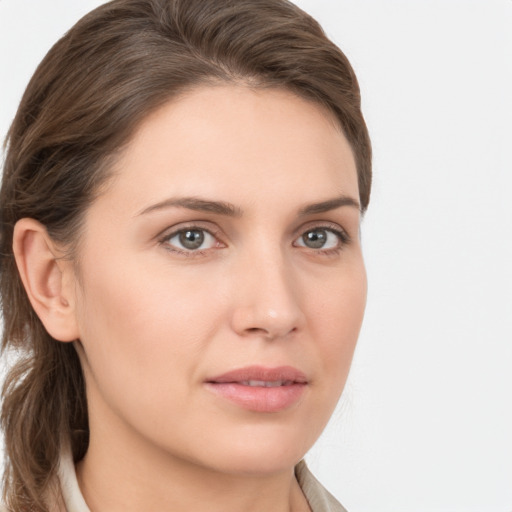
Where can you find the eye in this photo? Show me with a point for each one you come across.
(190, 239)
(321, 238)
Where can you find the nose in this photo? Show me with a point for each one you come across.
(267, 298)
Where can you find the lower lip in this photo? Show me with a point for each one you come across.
(259, 398)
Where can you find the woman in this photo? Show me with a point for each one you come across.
(181, 267)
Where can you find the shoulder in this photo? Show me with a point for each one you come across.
(319, 498)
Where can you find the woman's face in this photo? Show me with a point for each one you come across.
(222, 285)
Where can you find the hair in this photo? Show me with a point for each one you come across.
(92, 90)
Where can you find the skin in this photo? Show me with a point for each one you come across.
(155, 319)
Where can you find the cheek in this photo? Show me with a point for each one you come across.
(337, 311)
(135, 299)
(143, 330)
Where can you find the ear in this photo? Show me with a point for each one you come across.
(48, 280)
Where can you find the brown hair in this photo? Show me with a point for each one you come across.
(93, 88)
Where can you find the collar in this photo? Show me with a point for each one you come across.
(71, 494)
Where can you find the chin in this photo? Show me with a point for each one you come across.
(261, 450)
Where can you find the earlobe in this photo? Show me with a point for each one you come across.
(45, 278)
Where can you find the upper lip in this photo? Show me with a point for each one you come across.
(261, 373)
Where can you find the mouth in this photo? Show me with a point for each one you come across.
(266, 384)
(260, 389)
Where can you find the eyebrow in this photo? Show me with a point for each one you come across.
(230, 210)
(197, 204)
(330, 204)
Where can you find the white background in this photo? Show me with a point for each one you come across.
(425, 424)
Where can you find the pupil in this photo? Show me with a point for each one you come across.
(192, 239)
(315, 239)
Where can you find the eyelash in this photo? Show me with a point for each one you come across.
(343, 238)
(164, 240)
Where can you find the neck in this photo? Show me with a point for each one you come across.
(122, 472)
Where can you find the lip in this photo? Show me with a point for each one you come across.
(272, 390)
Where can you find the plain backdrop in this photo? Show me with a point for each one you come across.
(425, 424)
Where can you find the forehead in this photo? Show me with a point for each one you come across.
(237, 143)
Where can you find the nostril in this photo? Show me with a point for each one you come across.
(260, 332)
(270, 334)
(257, 330)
